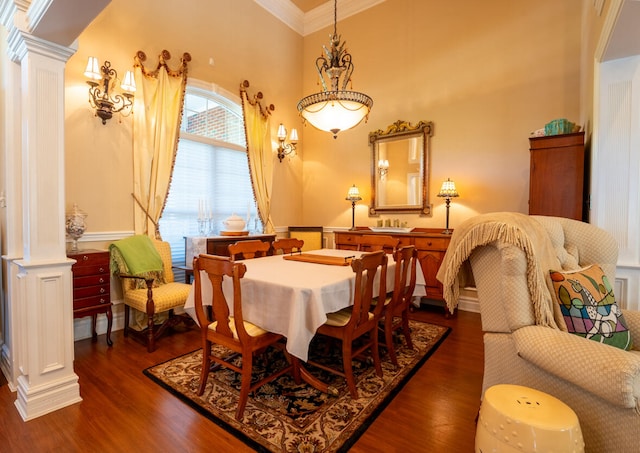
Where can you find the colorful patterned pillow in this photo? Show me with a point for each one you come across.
(589, 307)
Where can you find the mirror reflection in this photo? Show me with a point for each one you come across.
(399, 168)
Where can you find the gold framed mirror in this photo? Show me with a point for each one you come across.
(399, 168)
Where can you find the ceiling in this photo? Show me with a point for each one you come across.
(307, 5)
(308, 16)
(625, 40)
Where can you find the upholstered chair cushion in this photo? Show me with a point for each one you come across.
(252, 329)
(341, 318)
(165, 297)
(589, 307)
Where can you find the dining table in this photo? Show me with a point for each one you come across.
(291, 296)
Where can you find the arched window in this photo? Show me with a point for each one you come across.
(210, 178)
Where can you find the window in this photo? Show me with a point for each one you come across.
(211, 170)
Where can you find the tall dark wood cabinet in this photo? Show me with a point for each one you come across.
(558, 184)
(91, 287)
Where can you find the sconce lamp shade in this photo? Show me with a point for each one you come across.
(129, 83)
(293, 138)
(448, 189)
(282, 132)
(354, 194)
(93, 69)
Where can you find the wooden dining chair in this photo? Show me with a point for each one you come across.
(375, 242)
(360, 320)
(232, 332)
(248, 249)
(395, 315)
(287, 245)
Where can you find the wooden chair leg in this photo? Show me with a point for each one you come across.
(206, 365)
(348, 369)
(406, 330)
(375, 351)
(388, 337)
(245, 385)
(126, 320)
(151, 309)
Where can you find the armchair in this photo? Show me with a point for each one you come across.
(144, 268)
(525, 341)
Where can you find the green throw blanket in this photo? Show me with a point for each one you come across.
(139, 255)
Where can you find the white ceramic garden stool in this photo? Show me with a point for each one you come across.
(520, 419)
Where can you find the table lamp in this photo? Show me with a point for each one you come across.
(353, 195)
(448, 191)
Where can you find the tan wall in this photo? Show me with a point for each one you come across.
(245, 42)
(486, 73)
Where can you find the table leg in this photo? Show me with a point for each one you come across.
(310, 379)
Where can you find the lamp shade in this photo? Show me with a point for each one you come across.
(353, 194)
(129, 83)
(282, 132)
(92, 70)
(335, 111)
(448, 189)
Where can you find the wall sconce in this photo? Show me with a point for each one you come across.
(103, 99)
(283, 148)
(448, 191)
(353, 196)
(383, 167)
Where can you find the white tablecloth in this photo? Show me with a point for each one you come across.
(292, 298)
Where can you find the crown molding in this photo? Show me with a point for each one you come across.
(317, 18)
(286, 12)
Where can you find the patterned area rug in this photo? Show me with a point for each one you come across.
(284, 417)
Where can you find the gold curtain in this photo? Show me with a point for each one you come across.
(156, 125)
(257, 126)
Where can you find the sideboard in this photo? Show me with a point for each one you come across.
(431, 244)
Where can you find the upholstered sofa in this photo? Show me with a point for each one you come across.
(525, 342)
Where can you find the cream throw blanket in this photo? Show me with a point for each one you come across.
(512, 228)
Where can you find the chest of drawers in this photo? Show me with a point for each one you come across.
(92, 287)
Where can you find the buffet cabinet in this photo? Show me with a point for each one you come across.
(558, 181)
(92, 287)
(430, 243)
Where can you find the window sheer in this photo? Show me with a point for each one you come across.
(211, 169)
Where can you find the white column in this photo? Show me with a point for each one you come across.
(11, 208)
(41, 281)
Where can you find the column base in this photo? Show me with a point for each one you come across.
(36, 401)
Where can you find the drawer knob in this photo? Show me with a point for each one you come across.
(101, 280)
(429, 243)
(101, 290)
(85, 257)
(101, 269)
(102, 301)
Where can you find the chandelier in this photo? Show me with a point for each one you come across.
(335, 108)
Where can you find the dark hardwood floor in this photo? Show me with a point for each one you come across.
(122, 410)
